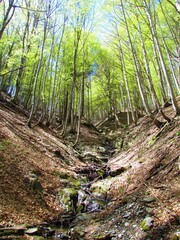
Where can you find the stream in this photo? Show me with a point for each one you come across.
(85, 196)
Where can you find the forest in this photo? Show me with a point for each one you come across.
(95, 84)
(64, 60)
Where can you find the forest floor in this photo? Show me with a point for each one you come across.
(134, 171)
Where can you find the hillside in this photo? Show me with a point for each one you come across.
(102, 189)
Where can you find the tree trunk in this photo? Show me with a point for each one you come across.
(163, 66)
(138, 72)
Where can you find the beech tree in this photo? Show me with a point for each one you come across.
(54, 64)
(9, 10)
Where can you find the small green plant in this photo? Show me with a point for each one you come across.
(4, 144)
(178, 134)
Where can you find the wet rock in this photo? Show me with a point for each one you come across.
(32, 231)
(66, 219)
(91, 172)
(147, 223)
(81, 198)
(80, 218)
(17, 231)
(95, 205)
(121, 234)
(46, 231)
(68, 198)
(101, 188)
(60, 235)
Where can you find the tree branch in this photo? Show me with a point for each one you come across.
(29, 9)
(16, 69)
(173, 5)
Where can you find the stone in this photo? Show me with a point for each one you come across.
(46, 231)
(102, 149)
(149, 210)
(18, 231)
(127, 215)
(59, 235)
(32, 231)
(95, 205)
(126, 224)
(81, 198)
(79, 219)
(101, 187)
(68, 198)
(149, 199)
(147, 224)
(33, 182)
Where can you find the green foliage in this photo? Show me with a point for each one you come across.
(178, 134)
(98, 60)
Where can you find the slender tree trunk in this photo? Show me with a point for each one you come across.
(52, 104)
(149, 77)
(163, 65)
(36, 78)
(70, 108)
(7, 17)
(125, 78)
(138, 72)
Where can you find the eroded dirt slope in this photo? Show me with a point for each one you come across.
(141, 179)
(31, 162)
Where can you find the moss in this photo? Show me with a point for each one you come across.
(101, 187)
(4, 144)
(38, 238)
(68, 198)
(75, 182)
(61, 175)
(11, 231)
(100, 172)
(178, 134)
